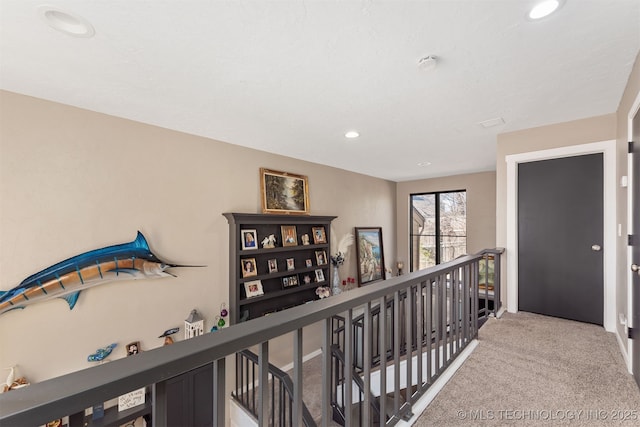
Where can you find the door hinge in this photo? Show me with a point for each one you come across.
(630, 333)
(630, 240)
(630, 147)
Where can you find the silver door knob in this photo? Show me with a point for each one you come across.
(635, 267)
(595, 248)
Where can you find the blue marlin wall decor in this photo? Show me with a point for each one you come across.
(68, 278)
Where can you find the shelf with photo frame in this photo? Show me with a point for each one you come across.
(276, 262)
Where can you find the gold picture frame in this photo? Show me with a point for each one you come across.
(289, 235)
(284, 192)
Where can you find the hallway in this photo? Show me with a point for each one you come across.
(530, 369)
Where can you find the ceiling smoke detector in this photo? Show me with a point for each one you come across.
(66, 22)
(428, 63)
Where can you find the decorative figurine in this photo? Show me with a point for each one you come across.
(193, 325)
(68, 278)
(14, 383)
(101, 353)
(167, 335)
(269, 242)
(305, 239)
(223, 310)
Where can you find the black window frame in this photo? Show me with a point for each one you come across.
(438, 233)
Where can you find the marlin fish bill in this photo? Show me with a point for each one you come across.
(66, 279)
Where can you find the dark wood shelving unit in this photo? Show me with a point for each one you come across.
(275, 297)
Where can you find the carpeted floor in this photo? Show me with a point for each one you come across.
(530, 369)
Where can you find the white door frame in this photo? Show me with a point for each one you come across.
(635, 109)
(608, 148)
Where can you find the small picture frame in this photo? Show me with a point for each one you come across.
(289, 236)
(291, 264)
(319, 235)
(290, 281)
(305, 239)
(306, 279)
(319, 275)
(321, 258)
(253, 288)
(249, 267)
(308, 263)
(133, 348)
(273, 265)
(249, 239)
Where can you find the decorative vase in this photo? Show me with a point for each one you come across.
(335, 285)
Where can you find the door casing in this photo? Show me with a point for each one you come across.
(635, 109)
(608, 148)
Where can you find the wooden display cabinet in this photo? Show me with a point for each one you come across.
(251, 262)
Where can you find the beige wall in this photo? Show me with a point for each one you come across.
(72, 180)
(481, 208)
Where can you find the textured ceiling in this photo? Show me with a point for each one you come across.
(291, 77)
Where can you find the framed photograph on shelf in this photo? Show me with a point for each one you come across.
(289, 236)
(370, 254)
(249, 239)
(319, 275)
(253, 288)
(291, 264)
(321, 257)
(319, 235)
(306, 279)
(308, 263)
(273, 265)
(290, 281)
(133, 348)
(284, 193)
(249, 267)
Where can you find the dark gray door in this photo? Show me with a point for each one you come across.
(560, 234)
(635, 248)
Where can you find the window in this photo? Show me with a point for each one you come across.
(438, 228)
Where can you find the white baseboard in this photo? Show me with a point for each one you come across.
(623, 350)
(305, 358)
(422, 403)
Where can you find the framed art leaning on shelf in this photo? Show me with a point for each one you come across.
(370, 254)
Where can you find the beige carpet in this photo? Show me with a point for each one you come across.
(536, 370)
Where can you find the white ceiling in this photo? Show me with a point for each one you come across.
(291, 77)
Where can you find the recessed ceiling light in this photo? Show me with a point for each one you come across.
(544, 8)
(66, 22)
(352, 134)
(422, 164)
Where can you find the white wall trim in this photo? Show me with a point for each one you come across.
(608, 148)
(289, 366)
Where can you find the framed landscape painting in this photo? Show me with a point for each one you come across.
(284, 193)
(370, 255)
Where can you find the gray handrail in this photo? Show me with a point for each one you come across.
(71, 393)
